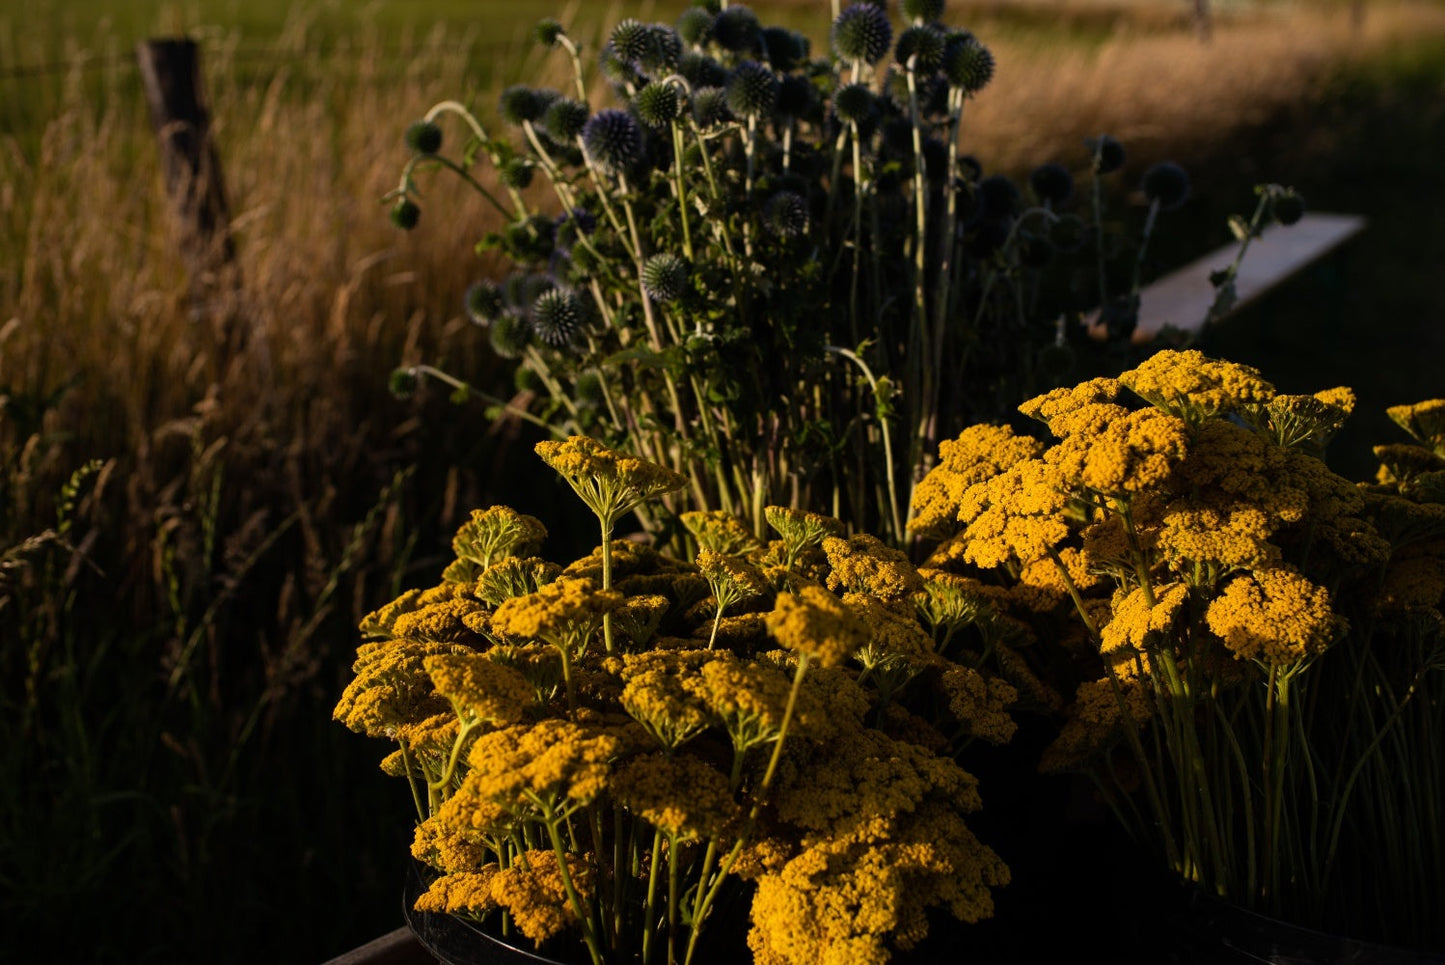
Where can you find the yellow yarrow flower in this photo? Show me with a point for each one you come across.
(1138, 626)
(610, 482)
(816, 623)
(480, 688)
(533, 893)
(863, 564)
(683, 796)
(466, 893)
(1274, 617)
(1193, 387)
(555, 765)
(566, 611)
(979, 453)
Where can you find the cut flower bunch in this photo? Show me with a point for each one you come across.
(625, 747)
(1252, 645)
(772, 269)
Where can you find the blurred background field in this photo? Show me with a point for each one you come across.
(189, 534)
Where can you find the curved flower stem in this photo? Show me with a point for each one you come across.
(411, 781)
(456, 383)
(579, 908)
(455, 168)
(888, 467)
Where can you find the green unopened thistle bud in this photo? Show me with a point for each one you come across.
(629, 39)
(736, 29)
(484, 303)
(664, 277)
(695, 26)
(1108, 154)
(1052, 184)
(424, 137)
(549, 32)
(855, 104)
(402, 383)
(752, 90)
(405, 214)
(526, 379)
(616, 68)
(862, 34)
(558, 316)
(520, 103)
(589, 390)
(787, 214)
(657, 104)
(1166, 184)
(613, 139)
(710, 107)
(509, 336)
(966, 63)
(516, 173)
(563, 120)
(924, 11)
(1287, 207)
(923, 45)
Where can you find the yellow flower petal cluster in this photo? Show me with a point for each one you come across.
(979, 452)
(610, 482)
(533, 893)
(863, 564)
(980, 703)
(1015, 517)
(451, 620)
(657, 695)
(1139, 626)
(513, 577)
(721, 532)
(1194, 387)
(479, 687)
(543, 765)
(460, 893)
(379, 623)
(733, 580)
(1131, 453)
(1102, 712)
(569, 608)
(1274, 617)
(682, 795)
(391, 688)
(495, 533)
(1425, 421)
(449, 848)
(815, 622)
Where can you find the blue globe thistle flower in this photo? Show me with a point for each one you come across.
(1287, 207)
(862, 34)
(787, 214)
(1052, 183)
(967, 64)
(700, 70)
(736, 29)
(855, 104)
(424, 137)
(613, 139)
(509, 336)
(710, 107)
(1166, 184)
(663, 52)
(549, 32)
(922, 44)
(797, 97)
(630, 40)
(521, 103)
(999, 198)
(784, 49)
(925, 11)
(1108, 154)
(752, 90)
(516, 173)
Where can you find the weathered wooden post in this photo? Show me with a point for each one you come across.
(171, 72)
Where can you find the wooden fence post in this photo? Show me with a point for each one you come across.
(171, 72)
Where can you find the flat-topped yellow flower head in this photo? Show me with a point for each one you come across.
(1274, 617)
(817, 624)
(554, 765)
(1194, 387)
(683, 796)
(979, 453)
(480, 688)
(495, 533)
(610, 482)
(1425, 421)
(864, 564)
(720, 532)
(565, 611)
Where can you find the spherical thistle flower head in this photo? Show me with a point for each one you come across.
(1166, 184)
(663, 51)
(520, 103)
(856, 104)
(786, 214)
(1274, 617)
(665, 277)
(998, 198)
(558, 317)
(695, 26)
(402, 383)
(710, 107)
(630, 39)
(564, 119)
(923, 11)
(516, 173)
(658, 104)
(509, 336)
(784, 49)
(921, 44)
(549, 32)
(484, 302)
(967, 64)
(1287, 207)
(613, 139)
(1108, 154)
(817, 624)
(700, 70)
(618, 69)
(862, 34)
(736, 29)
(797, 97)
(752, 90)
(1052, 184)
(424, 137)
(405, 214)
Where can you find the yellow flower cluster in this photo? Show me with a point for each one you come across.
(552, 765)
(610, 482)
(1194, 387)
(460, 893)
(567, 609)
(683, 796)
(534, 893)
(979, 453)
(980, 703)
(1138, 622)
(863, 564)
(489, 536)
(480, 688)
(816, 623)
(720, 532)
(1274, 617)
(1425, 421)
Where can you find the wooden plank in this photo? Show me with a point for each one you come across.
(399, 947)
(1182, 298)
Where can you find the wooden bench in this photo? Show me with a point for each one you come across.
(399, 947)
(1182, 298)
